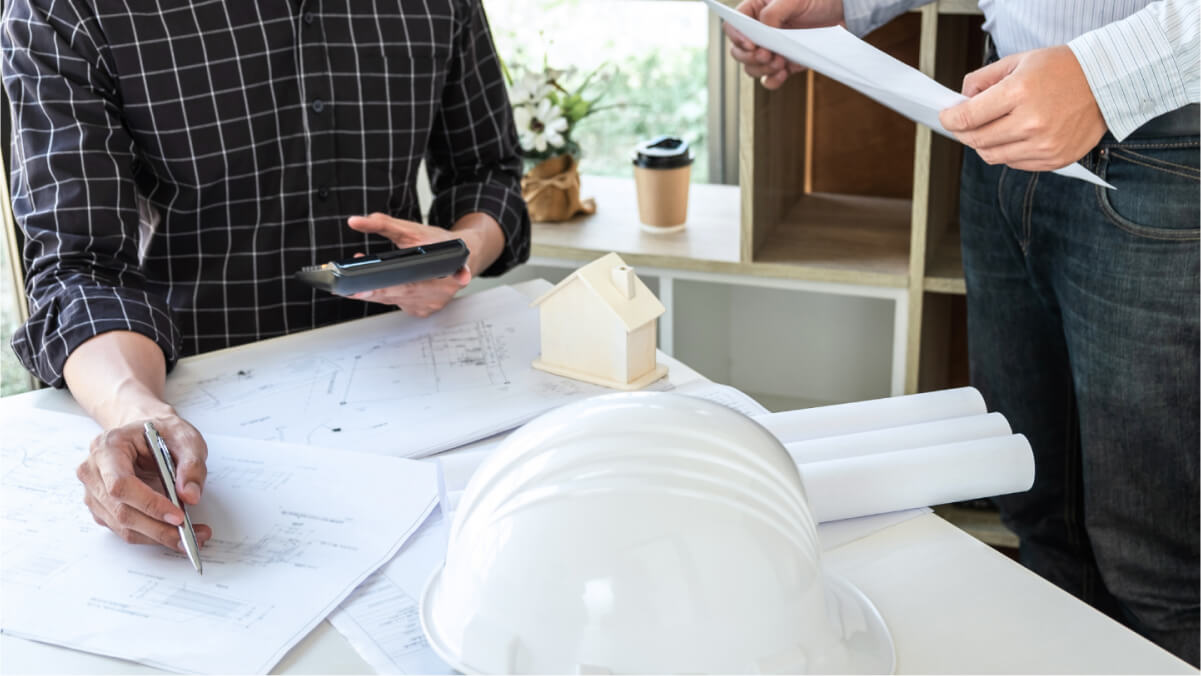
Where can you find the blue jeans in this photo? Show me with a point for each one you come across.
(1083, 331)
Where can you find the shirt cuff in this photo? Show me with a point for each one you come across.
(865, 16)
(1131, 68)
(503, 204)
(68, 319)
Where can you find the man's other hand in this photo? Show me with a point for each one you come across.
(1033, 111)
(770, 68)
(420, 299)
(123, 488)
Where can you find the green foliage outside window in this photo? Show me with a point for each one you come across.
(656, 51)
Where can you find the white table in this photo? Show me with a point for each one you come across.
(953, 604)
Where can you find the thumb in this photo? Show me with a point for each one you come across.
(777, 12)
(463, 276)
(983, 78)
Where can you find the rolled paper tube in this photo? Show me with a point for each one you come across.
(877, 414)
(891, 439)
(919, 477)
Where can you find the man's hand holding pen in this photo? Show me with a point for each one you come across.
(123, 488)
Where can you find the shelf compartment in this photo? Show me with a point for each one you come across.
(842, 238)
(828, 176)
(944, 347)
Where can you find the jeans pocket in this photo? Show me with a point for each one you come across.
(1157, 185)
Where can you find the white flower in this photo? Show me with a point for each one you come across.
(541, 127)
(530, 89)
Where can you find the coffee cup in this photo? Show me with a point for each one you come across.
(662, 169)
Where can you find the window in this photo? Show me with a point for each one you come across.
(659, 50)
(13, 377)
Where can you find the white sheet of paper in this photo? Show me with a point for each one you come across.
(900, 438)
(919, 477)
(381, 618)
(727, 396)
(836, 53)
(834, 534)
(820, 422)
(390, 384)
(296, 529)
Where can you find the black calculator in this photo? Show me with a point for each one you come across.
(415, 264)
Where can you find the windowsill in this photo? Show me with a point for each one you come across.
(710, 236)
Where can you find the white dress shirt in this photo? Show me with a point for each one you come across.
(1140, 57)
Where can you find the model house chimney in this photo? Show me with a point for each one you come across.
(623, 279)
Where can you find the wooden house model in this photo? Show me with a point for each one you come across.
(599, 326)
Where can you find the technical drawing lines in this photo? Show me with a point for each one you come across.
(185, 602)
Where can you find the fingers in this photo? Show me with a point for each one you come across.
(1000, 132)
(770, 69)
(1028, 155)
(420, 299)
(115, 480)
(974, 113)
(737, 39)
(759, 62)
(128, 502)
(983, 78)
(776, 14)
(134, 526)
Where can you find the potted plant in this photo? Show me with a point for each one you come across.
(548, 103)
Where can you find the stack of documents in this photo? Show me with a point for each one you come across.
(295, 530)
(391, 384)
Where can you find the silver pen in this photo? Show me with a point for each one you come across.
(166, 470)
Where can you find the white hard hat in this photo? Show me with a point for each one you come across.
(644, 533)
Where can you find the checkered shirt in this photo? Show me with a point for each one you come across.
(174, 163)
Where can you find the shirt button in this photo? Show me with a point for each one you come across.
(318, 105)
(308, 18)
(323, 192)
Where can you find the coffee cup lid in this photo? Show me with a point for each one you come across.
(663, 152)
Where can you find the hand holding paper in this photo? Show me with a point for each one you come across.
(772, 69)
(1033, 111)
(836, 53)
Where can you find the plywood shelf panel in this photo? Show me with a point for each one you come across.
(828, 238)
(851, 237)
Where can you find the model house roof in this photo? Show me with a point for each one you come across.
(615, 283)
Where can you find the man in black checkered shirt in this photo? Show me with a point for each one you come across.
(174, 166)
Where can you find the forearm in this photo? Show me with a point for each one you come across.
(475, 168)
(1144, 65)
(484, 238)
(118, 377)
(864, 16)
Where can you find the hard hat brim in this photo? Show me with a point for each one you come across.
(854, 620)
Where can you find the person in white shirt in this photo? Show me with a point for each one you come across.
(1083, 303)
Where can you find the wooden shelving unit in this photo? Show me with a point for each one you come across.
(836, 190)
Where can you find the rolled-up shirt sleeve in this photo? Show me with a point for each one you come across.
(473, 152)
(1144, 65)
(73, 192)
